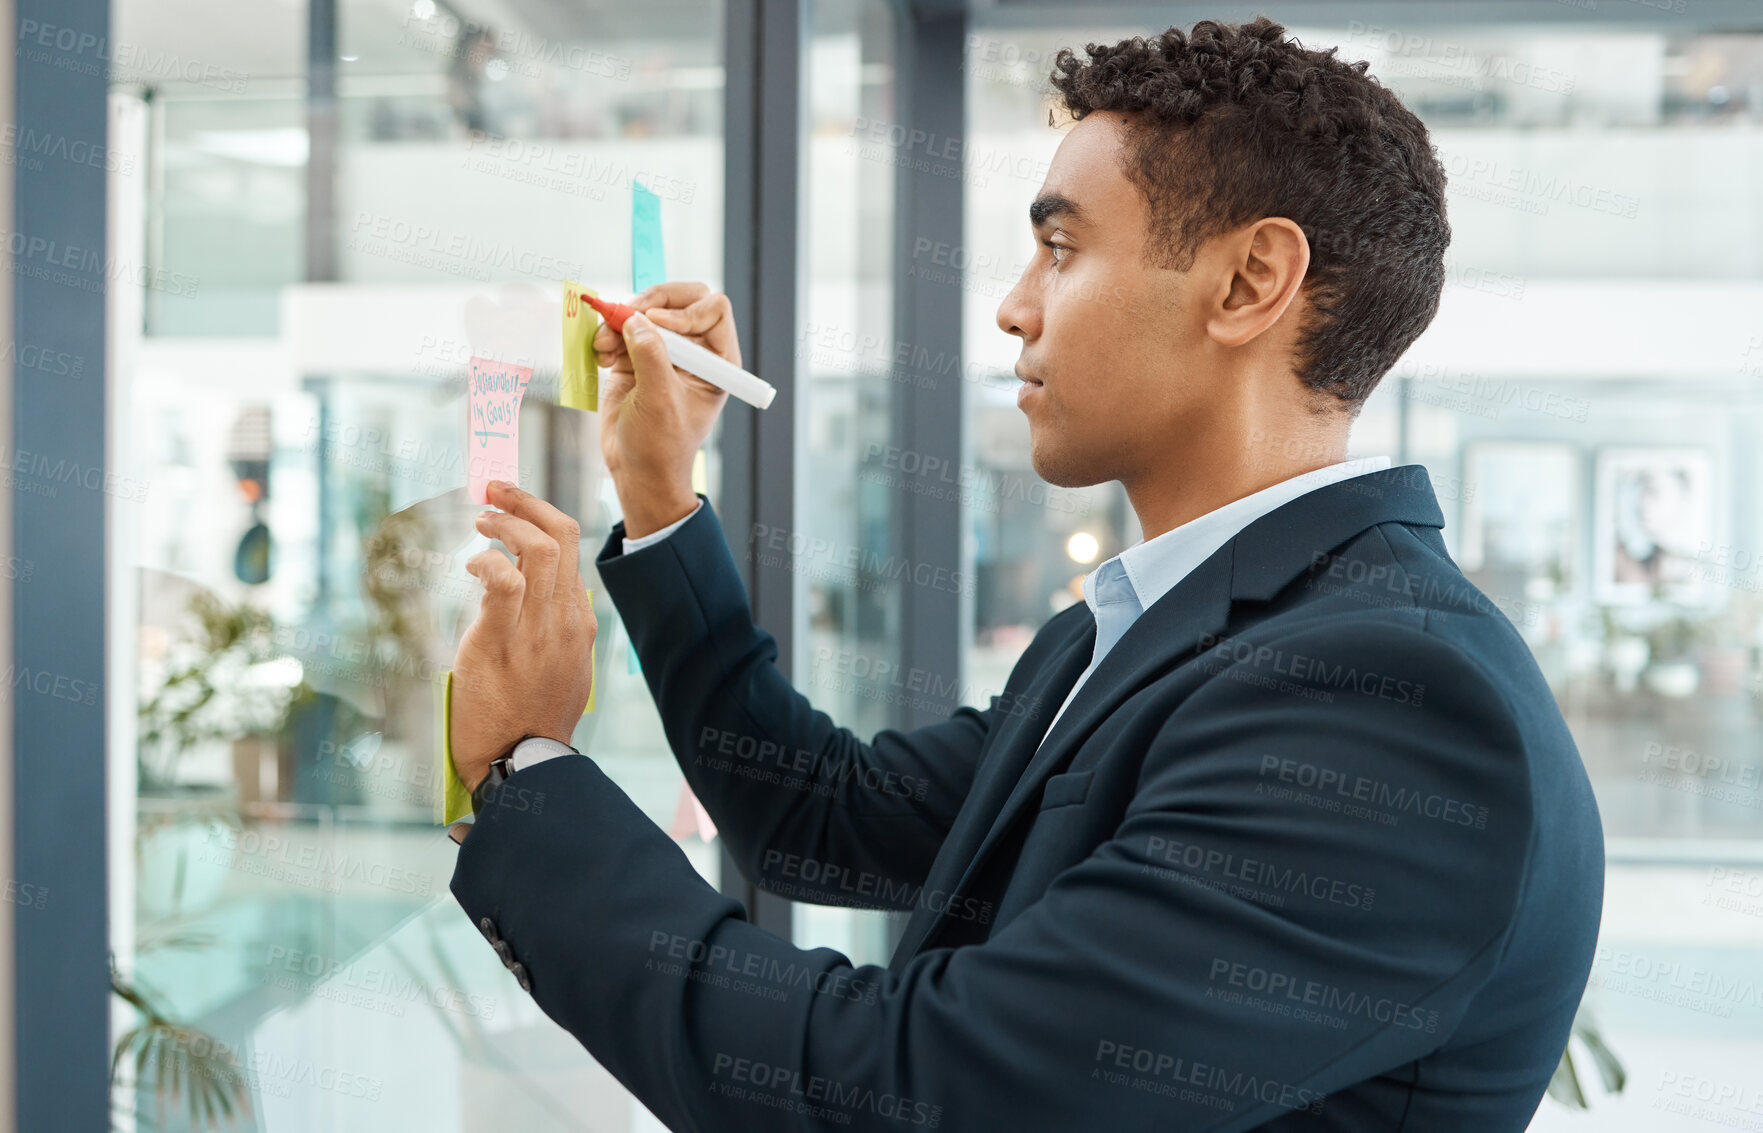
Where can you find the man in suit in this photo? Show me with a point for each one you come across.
(1280, 829)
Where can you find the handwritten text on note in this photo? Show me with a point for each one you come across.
(492, 435)
(580, 384)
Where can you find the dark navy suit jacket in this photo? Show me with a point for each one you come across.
(1312, 849)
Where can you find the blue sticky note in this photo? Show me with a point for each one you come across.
(648, 266)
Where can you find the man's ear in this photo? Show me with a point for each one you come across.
(1261, 268)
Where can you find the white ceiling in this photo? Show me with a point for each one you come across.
(265, 40)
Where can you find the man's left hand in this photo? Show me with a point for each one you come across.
(524, 665)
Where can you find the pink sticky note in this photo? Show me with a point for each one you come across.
(492, 426)
(690, 817)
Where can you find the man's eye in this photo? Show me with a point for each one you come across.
(1057, 249)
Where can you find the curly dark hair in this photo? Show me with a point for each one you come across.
(1234, 122)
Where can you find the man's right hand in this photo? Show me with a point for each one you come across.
(653, 417)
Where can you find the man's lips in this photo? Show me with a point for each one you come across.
(1026, 378)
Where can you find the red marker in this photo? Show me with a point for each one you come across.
(694, 359)
(613, 313)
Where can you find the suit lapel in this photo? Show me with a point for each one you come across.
(1161, 638)
(1019, 735)
(1257, 564)
(1011, 749)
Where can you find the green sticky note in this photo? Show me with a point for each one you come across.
(648, 265)
(578, 385)
(454, 801)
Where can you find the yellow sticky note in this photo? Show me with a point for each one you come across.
(454, 802)
(593, 669)
(579, 385)
(594, 682)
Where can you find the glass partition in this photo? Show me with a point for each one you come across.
(291, 382)
(290, 950)
(850, 606)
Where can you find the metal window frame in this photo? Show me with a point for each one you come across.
(764, 127)
(765, 114)
(60, 989)
(929, 414)
(8, 971)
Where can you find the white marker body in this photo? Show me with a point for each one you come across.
(718, 371)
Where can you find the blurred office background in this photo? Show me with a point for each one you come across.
(319, 209)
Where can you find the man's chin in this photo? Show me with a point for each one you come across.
(1061, 470)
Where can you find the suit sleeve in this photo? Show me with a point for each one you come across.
(1304, 892)
(791, 792)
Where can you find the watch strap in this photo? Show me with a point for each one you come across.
(496, 775)
(493, 778)
(525, 752)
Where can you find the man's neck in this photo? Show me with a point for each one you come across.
(1181, 494)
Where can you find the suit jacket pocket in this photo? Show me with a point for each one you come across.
(1064, 790)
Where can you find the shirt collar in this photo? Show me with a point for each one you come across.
(1154, 566)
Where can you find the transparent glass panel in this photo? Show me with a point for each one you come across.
(299, 563)
(843, 347)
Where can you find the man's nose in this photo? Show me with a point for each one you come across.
(1013, 314)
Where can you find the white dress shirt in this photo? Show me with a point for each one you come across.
(642, 541)
(1128, 584)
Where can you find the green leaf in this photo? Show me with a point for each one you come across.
(1609, 1067)
(1564, 1084)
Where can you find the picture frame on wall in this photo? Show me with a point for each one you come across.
(1654, 511)
(1521, 525)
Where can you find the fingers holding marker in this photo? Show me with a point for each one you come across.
(708, 320)
(638, 328)
(647, 351)
(696, 318)
(691, 310)
(670, 295)
(608, 343)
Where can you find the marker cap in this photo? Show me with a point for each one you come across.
(614, 313)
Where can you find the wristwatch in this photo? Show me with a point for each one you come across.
(522, 753)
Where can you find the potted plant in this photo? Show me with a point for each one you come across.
(1565, 1086)
(177, 1061)
(219, 684)
(1672, 670)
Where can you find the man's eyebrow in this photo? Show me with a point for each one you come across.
(1048, 205)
